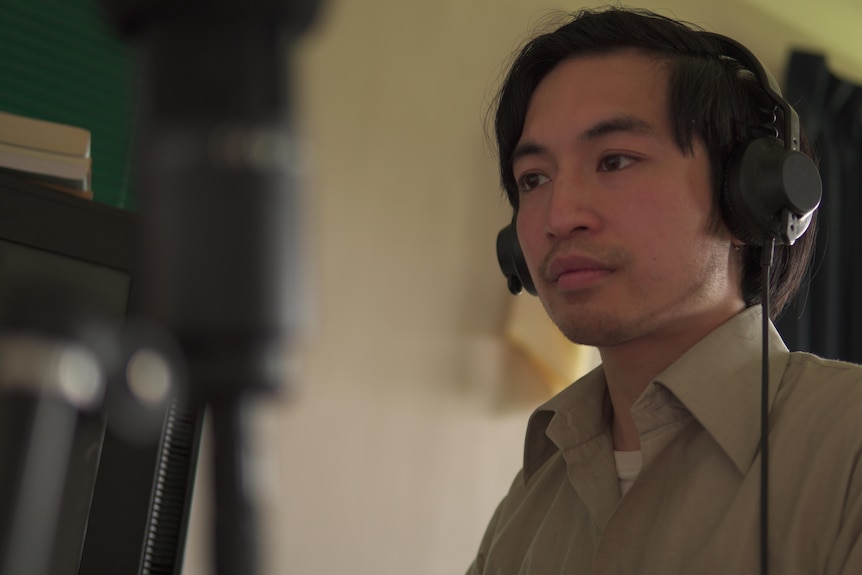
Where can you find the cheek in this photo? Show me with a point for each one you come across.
(670, 228)
(530, 234)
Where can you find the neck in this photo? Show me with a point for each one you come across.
(630, 366)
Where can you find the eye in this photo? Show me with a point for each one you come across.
(531, 180)
(615, 162)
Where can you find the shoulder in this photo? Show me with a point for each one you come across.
(806, 370)
(822, 397)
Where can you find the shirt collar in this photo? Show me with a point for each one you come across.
(717, 381)
(574, 416)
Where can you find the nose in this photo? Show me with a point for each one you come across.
(571, 208)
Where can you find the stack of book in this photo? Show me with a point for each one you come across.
(51, 154)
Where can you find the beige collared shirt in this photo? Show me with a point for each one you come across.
(694, 508)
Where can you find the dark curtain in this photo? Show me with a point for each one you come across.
(826, 317)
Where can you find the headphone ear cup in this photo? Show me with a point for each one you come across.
(512, 262)
(769, 192)
(734, 208)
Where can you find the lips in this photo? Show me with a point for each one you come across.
(576, 271)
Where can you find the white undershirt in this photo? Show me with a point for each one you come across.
(628, 467)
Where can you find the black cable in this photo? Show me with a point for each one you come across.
(766, 264)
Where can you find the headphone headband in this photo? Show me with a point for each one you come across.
(733, 49)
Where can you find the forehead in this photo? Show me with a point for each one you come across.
(583, 89)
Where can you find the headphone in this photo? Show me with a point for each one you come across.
(770, 192)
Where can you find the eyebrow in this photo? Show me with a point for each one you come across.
(625, 123)
(618, 124)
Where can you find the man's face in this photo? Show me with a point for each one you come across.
(614, 218)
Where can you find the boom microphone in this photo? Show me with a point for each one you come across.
(220, 243)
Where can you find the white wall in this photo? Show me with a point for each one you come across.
(407, 424)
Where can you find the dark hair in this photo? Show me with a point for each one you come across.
(711, 97)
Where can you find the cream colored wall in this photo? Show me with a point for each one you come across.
(407, 424)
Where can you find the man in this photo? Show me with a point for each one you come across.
(615, 133)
